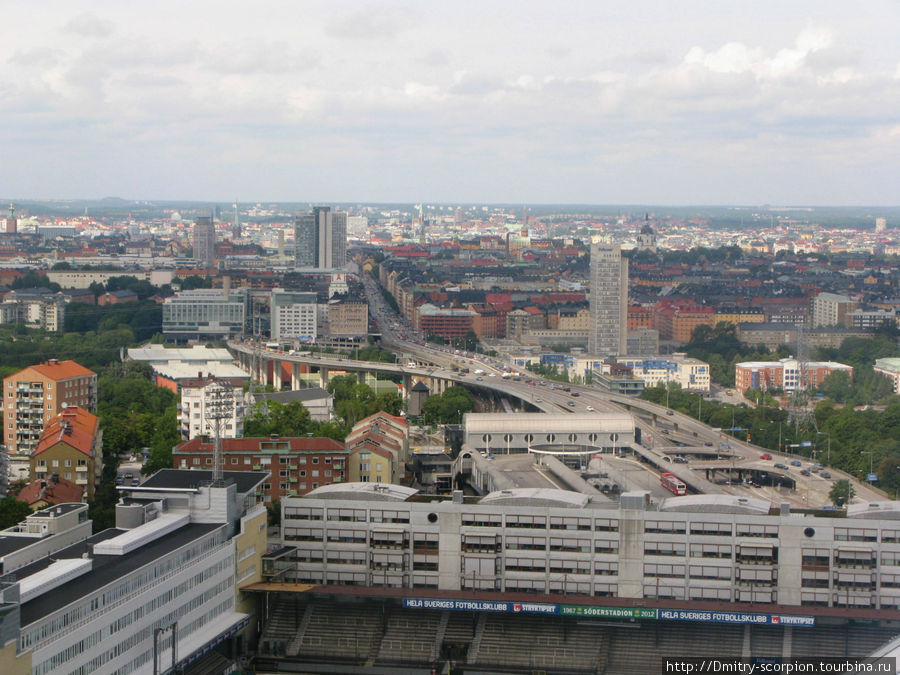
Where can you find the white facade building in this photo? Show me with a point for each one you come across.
(294, 316)
(198, 397)
(687, 372)
(696, 548)
(110, 603)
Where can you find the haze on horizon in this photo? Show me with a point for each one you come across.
(511, 102)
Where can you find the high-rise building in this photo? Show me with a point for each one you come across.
(608, 301)
(880, 224)
(205, 241)
(320, 238)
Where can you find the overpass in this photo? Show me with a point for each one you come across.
(267, 366)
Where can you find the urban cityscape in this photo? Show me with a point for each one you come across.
(440, 339)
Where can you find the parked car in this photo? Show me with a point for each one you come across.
(825, 474)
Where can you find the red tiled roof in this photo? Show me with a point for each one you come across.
(60, 370)
(74, 426)
(59, 491)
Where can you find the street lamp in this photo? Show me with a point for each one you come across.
(828, 436)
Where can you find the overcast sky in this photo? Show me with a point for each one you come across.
(688, 102)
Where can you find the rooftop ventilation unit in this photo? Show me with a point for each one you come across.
(141, 535)
(55, 575)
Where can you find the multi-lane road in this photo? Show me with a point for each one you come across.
(713, 459)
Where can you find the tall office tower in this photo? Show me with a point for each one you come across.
(880, 224)
(205, 241)
(320, 239)
(609, 301)
(11, 222)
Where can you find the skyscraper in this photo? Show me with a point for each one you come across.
(205, 241)
(320, 238)
(609, 301)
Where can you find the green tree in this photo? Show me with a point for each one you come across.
(449, 407)
(12, 512)
(841, 492)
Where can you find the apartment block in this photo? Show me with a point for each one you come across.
(786, 374)
(204, 398)
(34, 395)
(71, 447)
(295, 465)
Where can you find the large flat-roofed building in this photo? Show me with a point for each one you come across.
(680, 369)
(445, 323)
(499, 432)
(41, 534)
(293, 316)
(890, 368)
(786, 374)
(208, 314)
(832, 309)
(691, 549)
(168, 572)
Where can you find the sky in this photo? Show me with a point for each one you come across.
(494, 101)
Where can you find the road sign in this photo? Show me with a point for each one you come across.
(806, 444)
(872, 477)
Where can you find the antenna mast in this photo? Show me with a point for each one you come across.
(219, 406)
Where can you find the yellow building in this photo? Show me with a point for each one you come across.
(378, 448)
(72, 447)
(35, 394)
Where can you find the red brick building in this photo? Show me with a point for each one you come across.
(296, 465)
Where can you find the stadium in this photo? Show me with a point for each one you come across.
(381, 578)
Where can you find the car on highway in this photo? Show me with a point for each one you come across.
(538, 400)
(590, 408)
(708, 444)
(779, 465)
(480, 379)
(680, 460)
(670, 412)
(825, 474)
(796, 462)
(571, 403)
(575, 393)
(765, 456)
(805, 472)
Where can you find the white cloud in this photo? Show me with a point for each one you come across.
(455, 85)
(89, 25)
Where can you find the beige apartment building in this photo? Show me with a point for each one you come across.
(36, 394)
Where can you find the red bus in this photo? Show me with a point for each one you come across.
(672, 484)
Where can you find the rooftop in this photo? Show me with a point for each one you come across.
(106, 568)
(194, 354)
(363, 491)
(57, 370)
(185, 480)
(74, 426)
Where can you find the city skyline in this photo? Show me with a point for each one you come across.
(699, 104)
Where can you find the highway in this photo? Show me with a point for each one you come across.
(713, 459)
